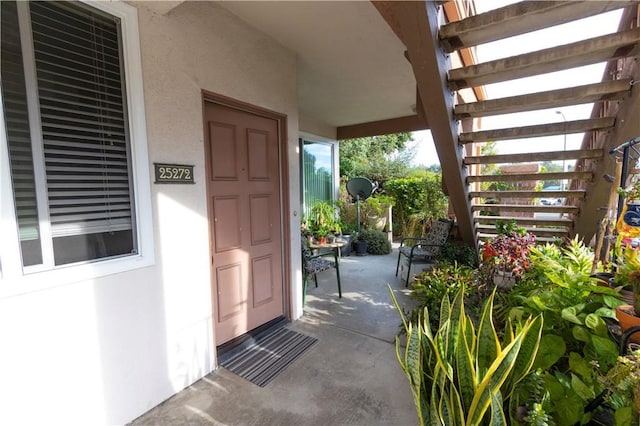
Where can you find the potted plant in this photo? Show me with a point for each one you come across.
(360, 245)
(506, 257)
(622, 384)
(629, 315)
(322, 220)
(375, 210)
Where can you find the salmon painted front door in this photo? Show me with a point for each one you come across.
(244, 206)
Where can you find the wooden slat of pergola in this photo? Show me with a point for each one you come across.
(527, 194)
(525, 220)
(517, 19)
(591, 51)
(531, 176)
(602, 91)
(536, 208)
(539, 130)
(534, 156)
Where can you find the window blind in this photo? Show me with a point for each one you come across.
(318, 177)
(17, 124)
(83, 114)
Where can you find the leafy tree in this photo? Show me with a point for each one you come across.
(550, 167)
(489, 148)
(378, 158)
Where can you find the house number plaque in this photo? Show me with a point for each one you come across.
(173, 173)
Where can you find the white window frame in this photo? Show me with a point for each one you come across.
(14, 278)
(335, 159)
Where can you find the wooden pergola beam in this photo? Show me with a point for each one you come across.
(596, 92)
(418, 24)
(525, 220)
(527, 194)
(519, 18)
(411, 123)
(524, 208)
(535, 156)
(591, 51)
(552, 129)
(531, 176)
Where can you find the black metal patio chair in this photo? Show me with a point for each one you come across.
(425, 248)
(312, 264)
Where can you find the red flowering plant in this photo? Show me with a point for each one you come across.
(508, 251)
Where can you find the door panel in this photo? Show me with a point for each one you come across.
(245, 213)
(258, 150)
(262, 280)
(226, 223)
(259, 211)
(230, 296)
(224, 154)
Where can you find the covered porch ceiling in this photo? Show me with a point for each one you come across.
(352, 68)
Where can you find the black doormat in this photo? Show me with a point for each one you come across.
(262, 361)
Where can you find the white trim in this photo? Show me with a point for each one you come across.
(12, 281)
(335, 157)
(35, 133)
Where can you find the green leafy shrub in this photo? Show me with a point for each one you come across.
(420, 197)
(575, 335)
(377, 242)
(459, 253)
(441, 280)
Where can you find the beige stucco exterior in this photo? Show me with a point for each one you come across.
(105, 350)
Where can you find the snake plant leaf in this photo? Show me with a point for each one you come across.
(493, 379)
(457, 409)
(488, 346)
(470, 335)
(508, 332)
(531, 334)
(457, 315)
(412, 366)
(397, 306)
(434, 414)
(445, 410)
(497, 412)
(442, 352)
(465, 368)
(412, 356)
(445, 310)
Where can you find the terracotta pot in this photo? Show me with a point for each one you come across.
(627, 319)
(322, 240)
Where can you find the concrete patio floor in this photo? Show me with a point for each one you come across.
(349, 377)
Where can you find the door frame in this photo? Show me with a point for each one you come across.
(283, 158)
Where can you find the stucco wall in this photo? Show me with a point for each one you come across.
(107, 350)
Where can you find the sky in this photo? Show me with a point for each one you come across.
(537, 40)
